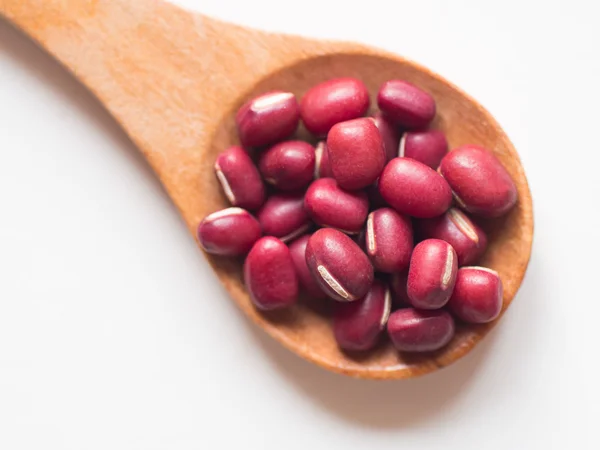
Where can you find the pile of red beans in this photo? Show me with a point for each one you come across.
(341, 219)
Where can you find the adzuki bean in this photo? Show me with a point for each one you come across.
(229, 232)
(389, 135)
(468, 240)
(284, 216)
(411, 330)
(339, 265)
(270, 275)
(376, 201)
(267, 119)
(308, 283)
(412, 188)
(357, 325)
(330, 206)
(240, 179)
(477, 296)
(428, 147)
(356, 153)
(405, 104)
(480, 183)
(398, 286)
(332, 102)
(288, 165)
(389, 240)
(432, 274)
(322, 166)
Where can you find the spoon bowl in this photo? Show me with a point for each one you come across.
(174, 79)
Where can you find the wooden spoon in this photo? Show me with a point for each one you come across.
(174, 79)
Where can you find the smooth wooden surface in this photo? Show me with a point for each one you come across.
(173, 79)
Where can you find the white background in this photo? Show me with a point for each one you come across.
(114, 334)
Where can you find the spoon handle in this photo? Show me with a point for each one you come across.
(165, 74)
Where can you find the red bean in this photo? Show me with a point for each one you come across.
(412, 188)
(330, 206)
(284, 216)
(267, 119)
(389, 135)
(229, 232)
(356, 153)
(270, 275)
(405, 104)
(322, 166)
(458, 230)
(288, 165)
(308, 283)
(398, 285)
(389, 240)
(240, 179)
(477, 296)
(375, 199)
(432, 274)
(333, 101)
(339, 265)
(411, 330)
(480, 183)
(428, 147)
(357, 325)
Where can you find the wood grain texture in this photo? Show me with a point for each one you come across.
(174, 79)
